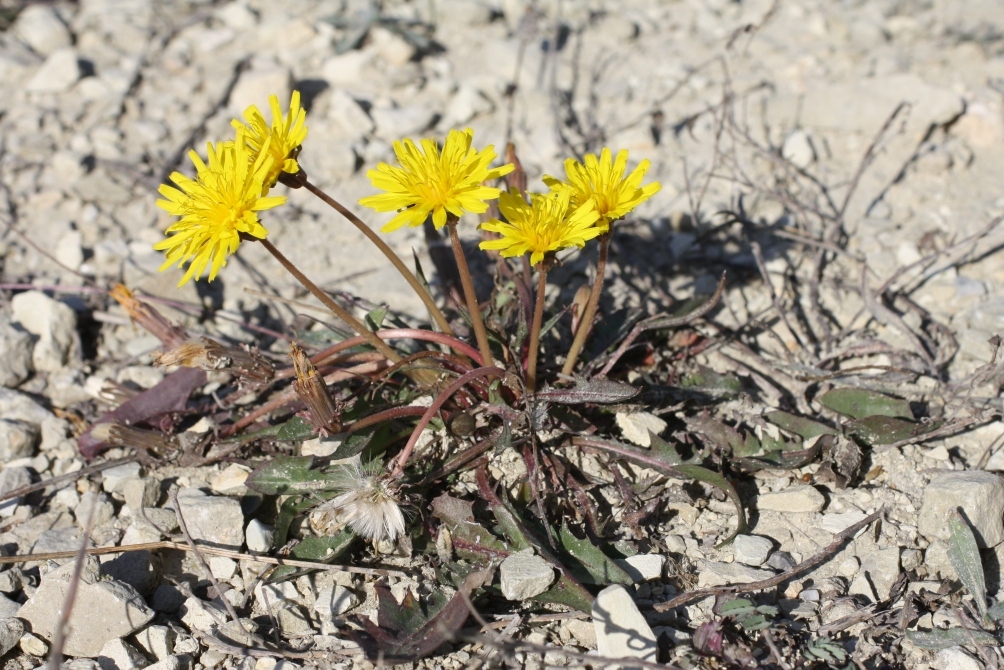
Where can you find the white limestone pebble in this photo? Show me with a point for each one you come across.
(793, 499)
(980, 495)
(621, 629)
(525, 575)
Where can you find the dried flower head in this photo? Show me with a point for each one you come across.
(548, 223)
(432, 182)
(366, 503)
(216, 208)
(602, 180)
(282, 140)
(251, 368)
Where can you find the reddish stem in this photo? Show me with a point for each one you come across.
(402, 458)
(392, 334)
(386, 415)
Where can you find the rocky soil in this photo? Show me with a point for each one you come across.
(868, 133)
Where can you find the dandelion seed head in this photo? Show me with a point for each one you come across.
(365, 503)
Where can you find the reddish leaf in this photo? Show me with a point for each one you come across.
(168, 397)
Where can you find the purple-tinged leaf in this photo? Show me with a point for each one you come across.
(152, 407)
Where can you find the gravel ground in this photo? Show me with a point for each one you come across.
(871, 133)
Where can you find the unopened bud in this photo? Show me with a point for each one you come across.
(310, 387)
(149, 318)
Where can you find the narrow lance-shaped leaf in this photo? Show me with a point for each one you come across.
(964, 555)
(288, 475)
(859, 403)
(592, 391)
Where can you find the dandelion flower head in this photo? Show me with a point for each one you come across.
(216, 207)
(429, 181)
(549, 222)
(366, 504)
(282, 140)
(602, 180)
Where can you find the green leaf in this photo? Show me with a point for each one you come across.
(590, 391)
(295, 429)
(599, 568)
(374, 320)
(289, 510)
(964, 555)
(878, 430)
(859, 403)
(320, 549)
(288, 475)
(799, 425)
(711, 383)
(471, 540)
(952, 637)
(738, 607)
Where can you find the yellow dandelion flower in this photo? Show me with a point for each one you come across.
(549, 222)
(602, 180)
(283, 138)
(216, 207)
(432, 182)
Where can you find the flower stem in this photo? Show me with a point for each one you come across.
(538, 316)
(586, 323)
(470, 295)
(335, 308)
(420, 291)
(436, 405)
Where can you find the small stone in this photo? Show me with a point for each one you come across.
(58, 73)
(8, 608)
(16, 346)
(292, 620)
(42, 29)
(113, 478)
(911, 559)
(12, 478)
(675, 544)
(18, 439)
(751, 549)
(636, 427)
(11, 581)
(794, 499)
(105, 609)
(583, 631)
(621, 630)
(11, 631)
(391, 47)
(714, 573)
(33, 645)
(956, 658)
(838, 523)
(200, 615)
(216, 520)
(169, 663)
(135, 568)
(394, 122)
(95, 507)
(259, 537)
(70, 249)
(643, 567)
(524, 575)
(334, 601)
(980, 495)
(257, 83)
(222, 567)
(877, 575)
(167, 599)
(344, 110)
(120, 655)
(465, 104)
(798, 148)
(157, 641)
(140, 492)
(781, 561)
(231, 479)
